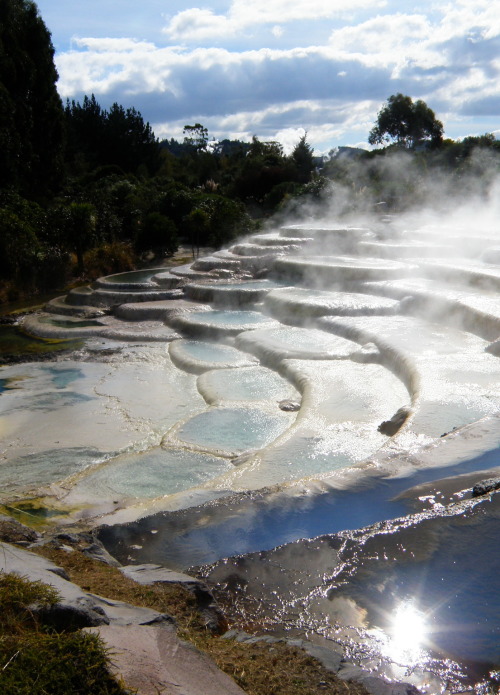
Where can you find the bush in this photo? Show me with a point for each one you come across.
(106, 259)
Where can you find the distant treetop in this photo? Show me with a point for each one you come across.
(407, 123)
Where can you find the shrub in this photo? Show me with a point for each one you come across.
(106, 259)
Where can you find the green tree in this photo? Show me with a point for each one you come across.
(406, 122)
(118, 137)
(196, 228)
(264, 167)
(196, 137)
(31, 113)
(158, 232)
(302, 156)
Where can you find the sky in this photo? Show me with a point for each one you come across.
(279, 69)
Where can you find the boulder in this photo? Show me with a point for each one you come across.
(485, 486)
(289, 406)
(392, 426)
(152, 660)
(12, 531)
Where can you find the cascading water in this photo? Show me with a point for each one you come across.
(352, 393)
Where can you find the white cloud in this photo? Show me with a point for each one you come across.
(199, 23)
(447, 56)
(102, 45)
(405, 38)
(196, 23)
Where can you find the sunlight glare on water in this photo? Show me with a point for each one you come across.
(406, 635)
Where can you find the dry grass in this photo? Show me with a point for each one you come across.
(259, 669)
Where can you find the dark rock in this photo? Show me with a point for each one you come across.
(87, 544)
(485, 486)
(12, 531)
(392, 426)
(70, 616)
(97, 551)
(289, 406)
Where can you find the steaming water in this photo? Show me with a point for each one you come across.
(335, 410)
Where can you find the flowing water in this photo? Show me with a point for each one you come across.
(349, 399)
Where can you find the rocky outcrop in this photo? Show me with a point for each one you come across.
(76, 608)
(485, 486)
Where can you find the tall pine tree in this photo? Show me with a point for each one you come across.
(31, 113)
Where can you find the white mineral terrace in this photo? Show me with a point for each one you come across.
(304, 356)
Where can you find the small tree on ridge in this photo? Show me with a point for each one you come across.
(406, 122)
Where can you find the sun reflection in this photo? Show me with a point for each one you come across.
(406, 635)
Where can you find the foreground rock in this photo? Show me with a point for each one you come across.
(153, 660)
(485, 486)
(146, 652)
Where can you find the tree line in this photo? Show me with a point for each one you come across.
(86, 191)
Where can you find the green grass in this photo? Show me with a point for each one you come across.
(37, 661)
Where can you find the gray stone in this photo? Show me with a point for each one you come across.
(329, 658)
(97, 551)
(153, 660)
(76, 608)
(153, 574)
(289, 406)
(86, 543)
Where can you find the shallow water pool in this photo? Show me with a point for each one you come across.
(233, 430)
(147, 475)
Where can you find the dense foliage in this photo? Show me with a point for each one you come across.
(31, 115)
(86, 191)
